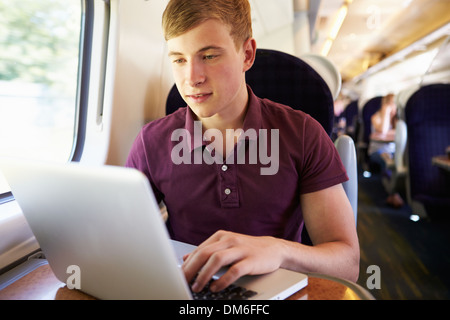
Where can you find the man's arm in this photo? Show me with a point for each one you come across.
(331, 226)
(329, 218)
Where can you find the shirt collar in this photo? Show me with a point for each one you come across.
(253, 118)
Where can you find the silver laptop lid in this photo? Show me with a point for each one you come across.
(103, 220)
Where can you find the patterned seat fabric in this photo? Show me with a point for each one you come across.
(427, 117)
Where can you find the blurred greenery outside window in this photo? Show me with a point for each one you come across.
(39, 58)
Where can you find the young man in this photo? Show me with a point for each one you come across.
(237, 215)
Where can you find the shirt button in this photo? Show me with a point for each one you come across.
(224, 167)
(227, 191)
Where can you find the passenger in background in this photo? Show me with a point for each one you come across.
(382, 146)
(340, 122)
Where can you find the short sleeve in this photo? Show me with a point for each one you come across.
(322, 166)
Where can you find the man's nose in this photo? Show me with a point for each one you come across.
(196, 74)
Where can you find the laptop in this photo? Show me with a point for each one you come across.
(104, 222)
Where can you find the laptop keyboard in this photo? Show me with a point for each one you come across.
(232, 292)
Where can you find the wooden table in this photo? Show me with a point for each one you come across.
(41, 284)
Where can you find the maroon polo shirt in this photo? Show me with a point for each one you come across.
(202, 198)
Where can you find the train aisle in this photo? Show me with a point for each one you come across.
(413, 257)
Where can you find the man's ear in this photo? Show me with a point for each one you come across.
(249, 53)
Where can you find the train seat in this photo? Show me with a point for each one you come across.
(365, 128)
(428, 122)
(351, 117)
(396, 167)
(346, 149)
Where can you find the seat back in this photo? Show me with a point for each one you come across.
(394, 177)
(285, 79)
(363, 130)
(346, 149)
(351, 116)
(401, 137)
(368, 110)
(427, 117)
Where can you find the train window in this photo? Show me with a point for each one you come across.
(40, 45)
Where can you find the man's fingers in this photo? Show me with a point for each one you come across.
(233, 273)
(213, 264)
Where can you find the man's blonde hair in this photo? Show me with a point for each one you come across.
(182, 15)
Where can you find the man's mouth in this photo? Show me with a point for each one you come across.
(201, 97)
(198, 95)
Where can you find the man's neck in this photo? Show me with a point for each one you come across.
(233, 119)
(222, 122)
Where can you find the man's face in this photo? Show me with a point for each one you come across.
(208, 69)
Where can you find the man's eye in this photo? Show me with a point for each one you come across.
(209, 57)
(178, 61)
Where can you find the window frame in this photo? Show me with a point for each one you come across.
(84, 67)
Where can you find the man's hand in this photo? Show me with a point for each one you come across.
(243, 254)
(330, 221)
